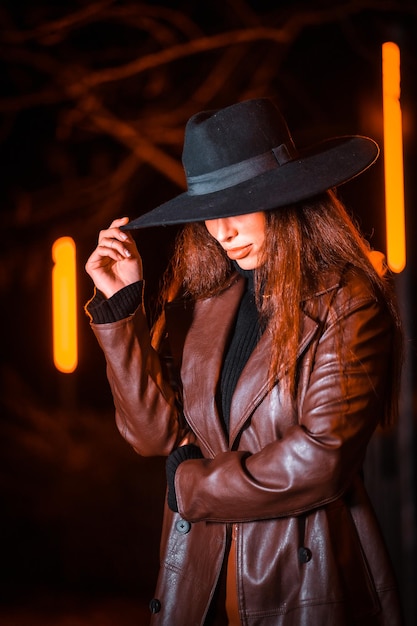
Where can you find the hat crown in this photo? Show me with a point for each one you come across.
(219, 138)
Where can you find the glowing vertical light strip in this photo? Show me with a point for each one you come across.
(64, 305)
(393, 157)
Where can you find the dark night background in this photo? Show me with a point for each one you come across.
(94, 97)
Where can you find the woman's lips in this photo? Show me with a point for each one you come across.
(238, 253)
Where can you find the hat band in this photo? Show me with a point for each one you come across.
(239, 172)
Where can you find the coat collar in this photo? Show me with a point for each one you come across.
(203, 351)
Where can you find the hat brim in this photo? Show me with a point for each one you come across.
(328, 165)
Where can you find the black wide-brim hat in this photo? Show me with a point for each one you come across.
(241, 159)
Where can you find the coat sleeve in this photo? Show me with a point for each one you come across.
(316, 459)
(147, 413)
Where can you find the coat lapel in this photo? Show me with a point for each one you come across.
(255, 380)
(203, 354)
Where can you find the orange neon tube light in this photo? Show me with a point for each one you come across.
(64, 305)
(393, 158)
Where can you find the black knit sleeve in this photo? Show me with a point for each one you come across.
(123, 303)
(182, 453)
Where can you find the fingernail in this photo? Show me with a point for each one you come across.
(127, 253)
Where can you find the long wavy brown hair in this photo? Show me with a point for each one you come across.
(304, 242)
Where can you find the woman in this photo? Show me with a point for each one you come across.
(274, 359)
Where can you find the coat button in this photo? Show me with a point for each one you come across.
(304, 554)
(182, 526)
(155, 605)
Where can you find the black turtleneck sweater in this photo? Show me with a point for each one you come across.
(244, 337)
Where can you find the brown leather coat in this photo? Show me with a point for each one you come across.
(308, 549)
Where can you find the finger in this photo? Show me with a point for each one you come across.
(108, 238)
(120, 221)
(114, 231)
(114, 248)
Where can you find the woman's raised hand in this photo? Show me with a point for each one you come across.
(115, 263)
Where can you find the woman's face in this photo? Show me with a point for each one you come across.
(241, 236)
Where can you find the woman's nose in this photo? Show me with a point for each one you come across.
(224, 229)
